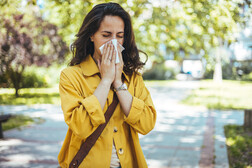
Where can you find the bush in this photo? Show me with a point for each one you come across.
(229, 72)
(239, 145)
(159, 72)
(234, 71)
(208, 74)
(247, 77)
(29, 80)
(32, 80)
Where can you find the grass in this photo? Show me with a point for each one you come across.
(30, 96)
(239, 145)
(227, 95)
(20, 120)
(47, 95)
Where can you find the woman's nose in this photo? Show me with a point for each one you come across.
(114, 36)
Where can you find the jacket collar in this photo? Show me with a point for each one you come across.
(90, 68)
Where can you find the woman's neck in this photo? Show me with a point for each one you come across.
(96, 57)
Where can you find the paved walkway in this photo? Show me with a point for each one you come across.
(184, 136)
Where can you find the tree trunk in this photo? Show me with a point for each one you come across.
(17, 83)
(16, 92)
(16, 78)
(218, 69)
(248, 118)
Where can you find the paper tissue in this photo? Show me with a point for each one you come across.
(114, 42)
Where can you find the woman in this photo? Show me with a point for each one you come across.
(87, 88)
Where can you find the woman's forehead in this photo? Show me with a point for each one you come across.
(112, 24)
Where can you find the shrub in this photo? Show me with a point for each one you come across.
(239, 145)
(29, 80)
(159, 72)
(32, 80)
(247, 77)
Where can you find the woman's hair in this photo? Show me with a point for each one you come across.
(83, 46)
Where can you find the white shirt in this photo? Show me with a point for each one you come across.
(115, 162)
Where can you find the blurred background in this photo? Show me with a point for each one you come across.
(208, 43)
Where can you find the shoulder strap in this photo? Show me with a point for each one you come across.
(90, 141)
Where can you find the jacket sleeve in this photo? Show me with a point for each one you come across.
(142, 115)
(82, 114)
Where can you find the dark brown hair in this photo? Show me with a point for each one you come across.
(83, 46)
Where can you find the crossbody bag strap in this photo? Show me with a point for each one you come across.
(90, 141)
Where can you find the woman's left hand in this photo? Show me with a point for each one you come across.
(118, 70)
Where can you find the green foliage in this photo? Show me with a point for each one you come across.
(208, 74)
(227, 72)
(29, 80)
(35, 77)
(187, 26)
(159, 72)
(247, 77)
(184, 27)
(32, 80)
(43, 76)
(20, 120)
(239, 145)
(228, 95)
(20, 47)
(232, 71)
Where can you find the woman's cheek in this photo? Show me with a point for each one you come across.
(120, 41)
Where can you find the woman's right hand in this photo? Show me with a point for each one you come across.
(107, 63)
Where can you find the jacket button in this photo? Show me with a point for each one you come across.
(115, 129)
(120, 151)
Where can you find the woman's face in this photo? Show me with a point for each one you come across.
(112, 27)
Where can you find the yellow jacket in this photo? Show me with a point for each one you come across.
(83, 114)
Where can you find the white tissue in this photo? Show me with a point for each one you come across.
(114, 42)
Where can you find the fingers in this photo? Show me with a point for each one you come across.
(99, 64)
(108, 52)
(113, 59)
(111, 52)
(107, 65)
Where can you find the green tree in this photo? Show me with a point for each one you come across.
(185, 27)
(26, 39)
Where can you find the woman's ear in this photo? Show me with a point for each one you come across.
(92, 38)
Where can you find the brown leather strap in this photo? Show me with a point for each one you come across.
(90, 141)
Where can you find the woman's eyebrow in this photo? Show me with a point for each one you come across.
(110, 32)
(106, 32)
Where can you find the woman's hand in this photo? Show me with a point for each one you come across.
(107, 64)
(118, 70)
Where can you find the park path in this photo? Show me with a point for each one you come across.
(184, 136)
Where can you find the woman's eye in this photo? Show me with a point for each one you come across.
(105, 35)
(120, 36)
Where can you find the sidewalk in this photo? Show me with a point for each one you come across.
(36, 145)
(181, 137)
(186, 136)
